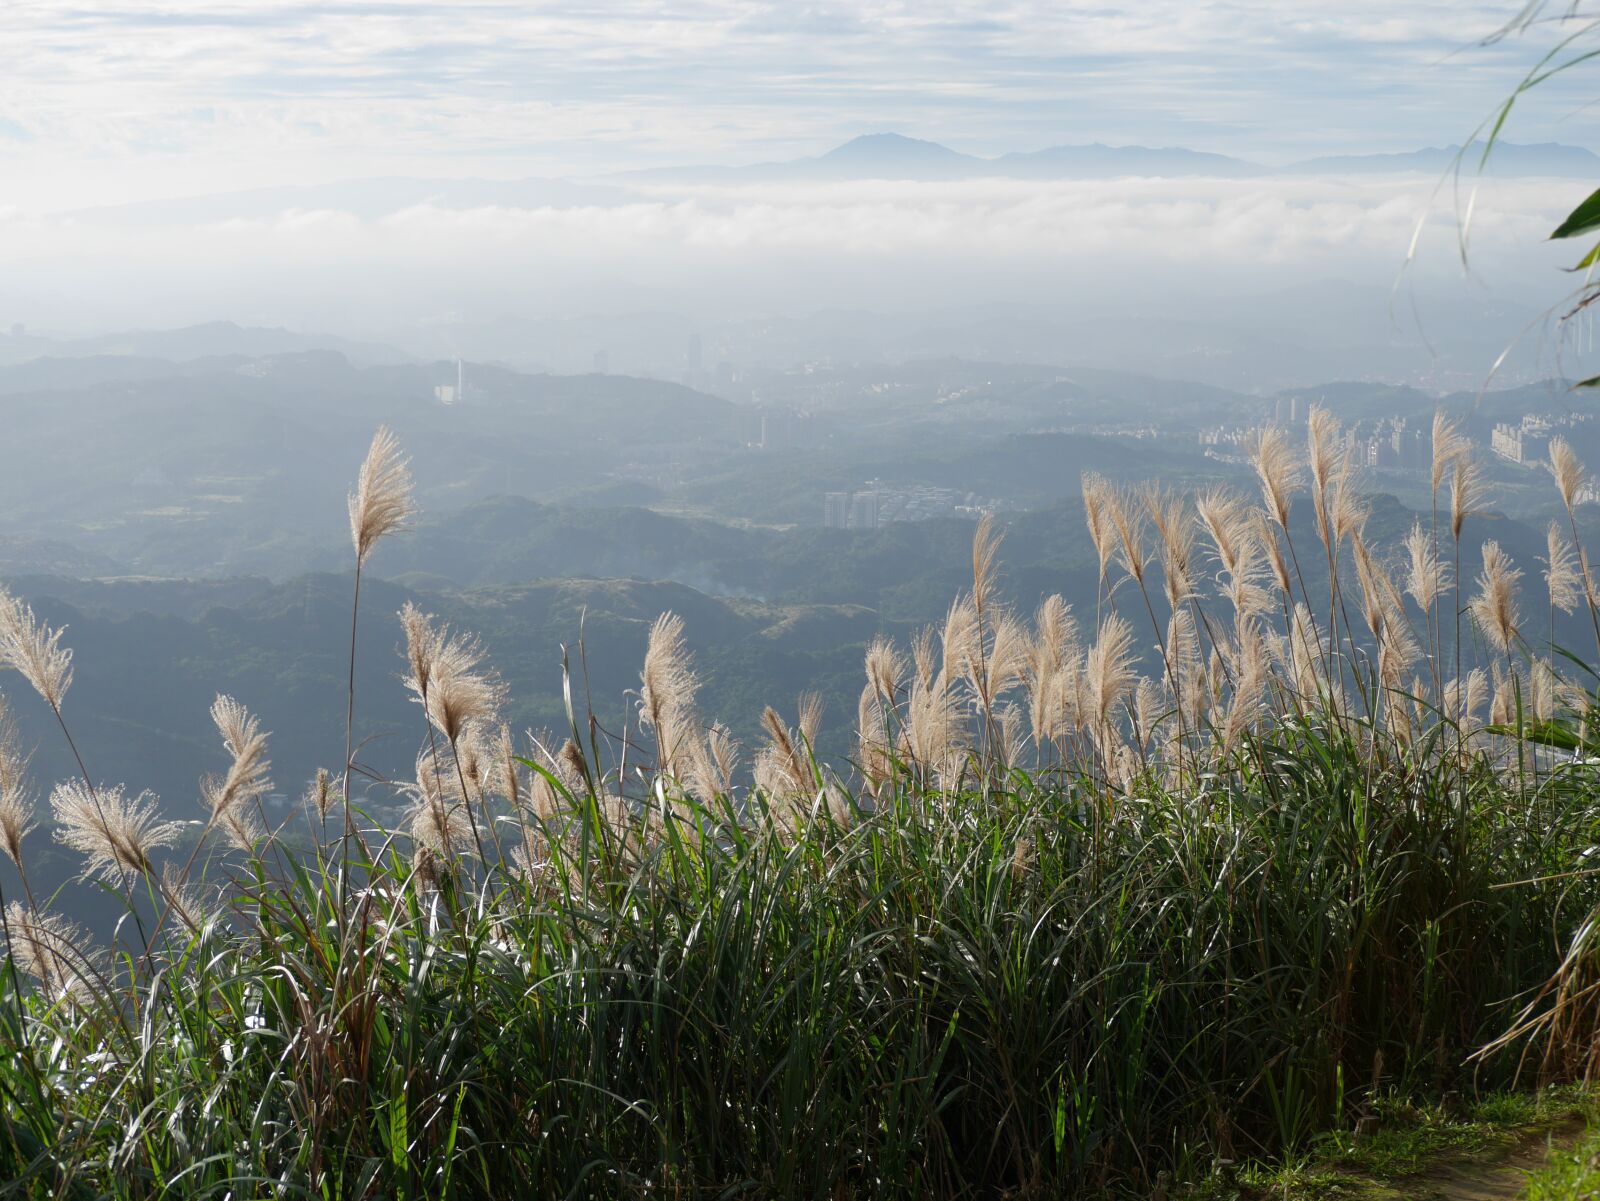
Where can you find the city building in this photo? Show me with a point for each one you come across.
(836, 510)
(864, 511)
(1527, 442)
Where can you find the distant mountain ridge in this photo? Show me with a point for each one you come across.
(1506, 159)
(896, 156)
(212, 339)
(875, 156)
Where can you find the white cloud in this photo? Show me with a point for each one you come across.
(765, 250)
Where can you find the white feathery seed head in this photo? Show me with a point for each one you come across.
(1494, 608)
(16, 805)
(116, 833)
(57, 953)
(1568, 470)
(34, 650)
(381, 503)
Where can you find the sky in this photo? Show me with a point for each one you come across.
(133, 99)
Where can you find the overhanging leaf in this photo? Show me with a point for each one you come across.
(1588, 260)
(1582, 219)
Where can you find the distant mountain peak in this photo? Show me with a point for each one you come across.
(889, 144)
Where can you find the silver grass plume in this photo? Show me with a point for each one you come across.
(1096, 498)
(1056, 630)
(1476, 695)
(1170, 515)
(790, 759)
(34, 650)
(381, 503)
(246, 780)
(115, 832)
(1561, 571)
(1372, 595)
(884, 667)
(193, 907)
(1542, 689)
(1507, 689)
(667, 690)
(321, 793)
(1399, 651)
(57, 953)
(1322, 444)
(1226, 518)
(808, 718)
(1427, 575)
(1151, 703)
(1448, 447)
(782, 772)
(985, 562)
(712, 764)
(422, 646)
(1023, 855)
(1349, 510)
(449, 679)
(1252, 670)
(1128, 522)
(16, 805)
(1055, 646)
(872, 739)
(1187, 680)
(1305, 651)
(1275, 467)
(574, 768)
(507, 770)
(1268, 539)
(1109, 672)
(934, 736)
(1568, 471)
(1013, 734)
(1009, 656)
(878, 699)
(1072, 688)
(1463, 699)
(475, 759)
(1494, 608)
(544, 800)
(960, 641)
(1466, 492)
(438, 819)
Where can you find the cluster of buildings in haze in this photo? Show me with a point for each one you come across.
(879, 504)
(1528, 441)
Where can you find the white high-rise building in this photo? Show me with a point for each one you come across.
(836, 510)
(864, 511)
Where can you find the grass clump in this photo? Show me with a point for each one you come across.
(1062, 928)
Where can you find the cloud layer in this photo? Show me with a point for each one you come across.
(789, 249)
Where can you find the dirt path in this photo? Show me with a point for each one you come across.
(1503, 1180)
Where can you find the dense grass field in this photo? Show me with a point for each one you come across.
(1060, 927)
